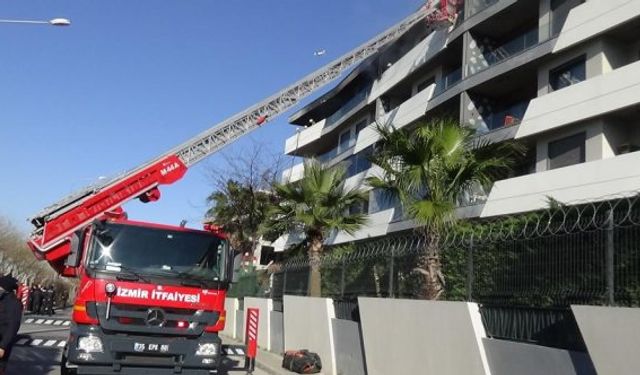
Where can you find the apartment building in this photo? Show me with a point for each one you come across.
(561, 76)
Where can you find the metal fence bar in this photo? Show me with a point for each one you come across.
(610, 260)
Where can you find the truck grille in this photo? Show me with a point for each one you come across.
(155, 320)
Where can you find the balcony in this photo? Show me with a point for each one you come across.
(412, 61)
(495, 55)
(512, 47)
(591, 181)
(588, 99)
(477, 6)
(475, 196)
(359, 98)
(593, 18)
(509, 116)
(448, 81)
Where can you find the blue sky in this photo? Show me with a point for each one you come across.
(131, 79)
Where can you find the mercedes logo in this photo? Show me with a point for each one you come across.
(155, 317)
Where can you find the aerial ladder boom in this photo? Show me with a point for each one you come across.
(56, 224)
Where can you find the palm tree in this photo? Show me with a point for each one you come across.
(240, 209)
(316, 205)
(428, 168)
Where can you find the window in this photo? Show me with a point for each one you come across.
(424, 84)
(361, 125)
(345, 142)
(380, 200)
(567, 151)
(568, 74)
(359, 162)
(359, 208)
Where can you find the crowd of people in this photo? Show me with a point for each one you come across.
(41, 300)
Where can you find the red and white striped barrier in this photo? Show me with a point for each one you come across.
(23, 296)
(251, 337)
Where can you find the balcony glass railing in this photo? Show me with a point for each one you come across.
(327, 156)
(475, 195)
(448, 81)
(353, 102)
(513, 47)
(476, 6)
(507, 117)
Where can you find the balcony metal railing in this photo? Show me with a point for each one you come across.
(476, 6)
(513, 47)
(507, 117)
(350, 104)
(474, 196)
(448, 81)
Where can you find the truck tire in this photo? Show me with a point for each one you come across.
(64, 370)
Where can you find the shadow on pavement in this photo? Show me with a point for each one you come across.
(32, 361)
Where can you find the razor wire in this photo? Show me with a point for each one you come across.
(557, 256)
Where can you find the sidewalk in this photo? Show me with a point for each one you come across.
(58, 314)
(268, 362)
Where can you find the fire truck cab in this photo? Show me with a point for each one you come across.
(150, 299)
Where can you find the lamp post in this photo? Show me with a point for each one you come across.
(52, 22)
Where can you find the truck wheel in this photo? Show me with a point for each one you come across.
(64, 370)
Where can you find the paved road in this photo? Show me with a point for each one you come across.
(40, 344)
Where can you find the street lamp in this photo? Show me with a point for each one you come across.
(53, 22)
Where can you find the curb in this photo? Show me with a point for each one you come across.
(265, 361)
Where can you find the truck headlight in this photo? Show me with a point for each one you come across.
(208, 349)
(90, 344)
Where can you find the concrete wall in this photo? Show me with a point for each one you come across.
(348, 347)
(594, 97)
(239, 325)
(410, 62)
(595, 64)
(422, 337)
(510, 358)
(612, 336)
(307, 325)
(276, 319)
(586, 181)
(597, 146)
(594, 17)
(231, 305)
(264, 306)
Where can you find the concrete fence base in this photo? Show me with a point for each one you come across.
(231, 306)
(307, 325)
(422, 337)
(612, 336)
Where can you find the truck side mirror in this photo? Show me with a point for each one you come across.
(75, 247)
(233, 263)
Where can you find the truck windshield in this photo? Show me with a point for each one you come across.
(151, 251)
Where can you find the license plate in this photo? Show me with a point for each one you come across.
(140, 347)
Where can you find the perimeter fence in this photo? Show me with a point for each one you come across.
(529, 267)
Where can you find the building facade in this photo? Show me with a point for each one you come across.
(561, 76)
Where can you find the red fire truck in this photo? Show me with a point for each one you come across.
(151, 297)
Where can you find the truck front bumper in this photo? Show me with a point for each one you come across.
(131, 354)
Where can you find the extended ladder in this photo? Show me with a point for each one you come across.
(55, 224)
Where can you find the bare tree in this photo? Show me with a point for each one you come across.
(242, 193)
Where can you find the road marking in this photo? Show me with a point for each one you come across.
(36, 342)
(50, 343)
(39, 321)
(58, 322)
(62, 343)
(66, 323)
(22, 341)
(30, 320)
(49, 321)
